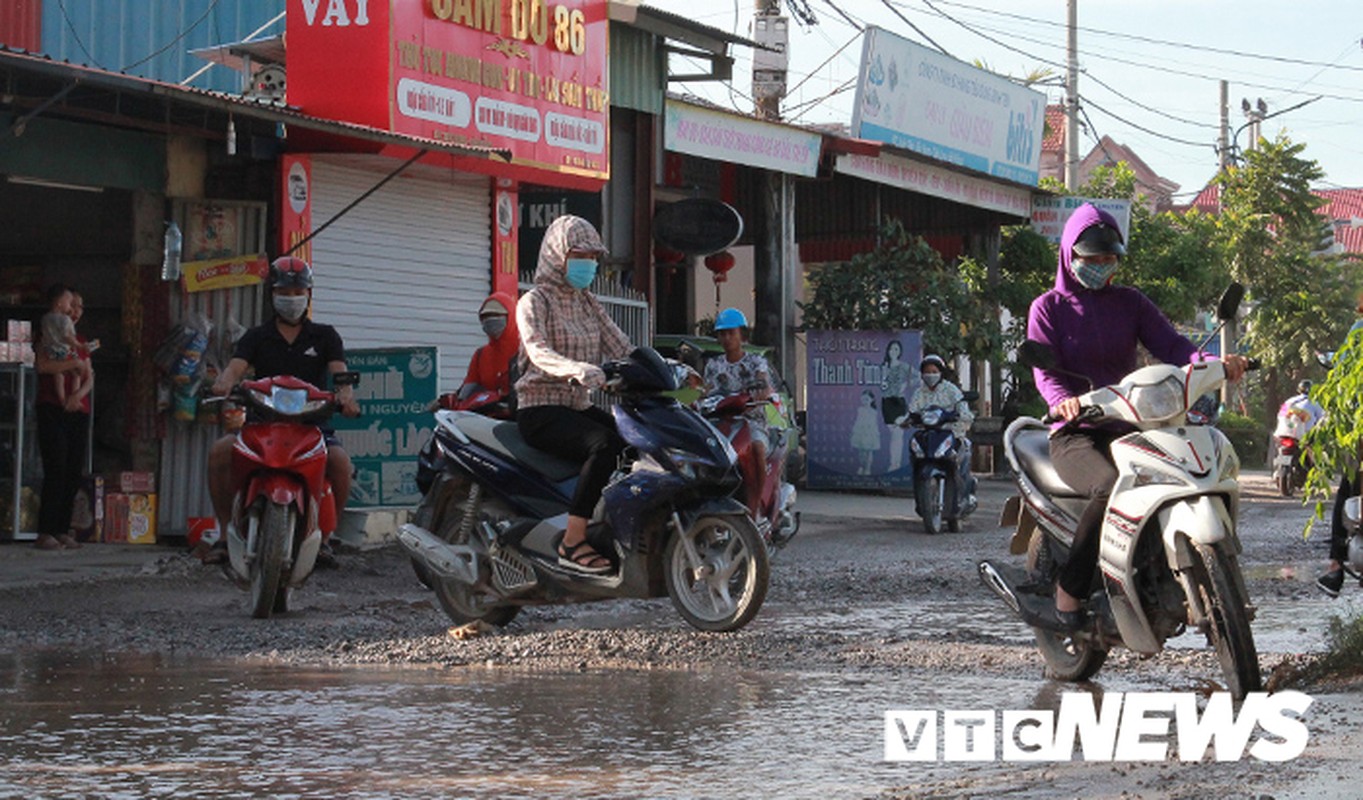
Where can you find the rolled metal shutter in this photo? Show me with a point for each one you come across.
(409, 265)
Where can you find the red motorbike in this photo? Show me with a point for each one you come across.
(776, 517)
(284, 509)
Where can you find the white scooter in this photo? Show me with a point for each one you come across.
(1168, 554)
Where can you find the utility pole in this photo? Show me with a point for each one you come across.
(774, 231)
(771, 29)
(1223, 140)
(1072, 98)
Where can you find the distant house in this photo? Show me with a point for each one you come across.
(1158, 191)
(1343, 207)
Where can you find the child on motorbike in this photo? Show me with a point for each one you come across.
(739, 371)
(1094, 328)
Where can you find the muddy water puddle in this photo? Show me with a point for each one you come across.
(127, 727)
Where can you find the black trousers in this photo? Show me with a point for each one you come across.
(588, 436)
(1083, 458)
(1339, 535)
(61, 443)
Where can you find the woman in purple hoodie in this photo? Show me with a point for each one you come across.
(1093, 328)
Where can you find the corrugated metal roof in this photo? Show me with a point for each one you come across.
(21, 24)
(236, 104)
(152, 38)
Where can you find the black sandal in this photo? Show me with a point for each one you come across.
(580, 557)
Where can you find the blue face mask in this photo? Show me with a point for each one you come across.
(581, 271)
(1093, 274)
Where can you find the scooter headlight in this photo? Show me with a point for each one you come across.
(1149, 476)
(688, 464)
(932, 416)
(915, 448)
(943, 449)
(1160, 400)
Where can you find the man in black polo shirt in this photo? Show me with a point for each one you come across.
(290, 344)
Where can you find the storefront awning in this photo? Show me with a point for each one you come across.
(119, 96)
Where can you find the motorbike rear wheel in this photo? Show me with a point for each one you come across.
(717, 572)
(1228, 630)
(274, 537)
(1067, 659)
(1283, 476)
(460, 602)
(930, 490)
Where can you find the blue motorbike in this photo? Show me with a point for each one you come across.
(494, 509)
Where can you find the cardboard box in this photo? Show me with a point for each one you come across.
(132, 482)
(116, 517)
(19, 330)
(130, 518)
(142, 519)
(87, 512)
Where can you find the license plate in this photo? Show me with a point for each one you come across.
(1283, 460)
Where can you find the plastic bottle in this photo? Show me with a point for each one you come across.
(170, 263)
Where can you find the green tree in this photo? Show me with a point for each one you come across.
(904, 284)
(1303, 301)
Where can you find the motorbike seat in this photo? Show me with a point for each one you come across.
(505, 438)
(1033, 450)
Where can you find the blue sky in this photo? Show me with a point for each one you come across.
(1161, 73)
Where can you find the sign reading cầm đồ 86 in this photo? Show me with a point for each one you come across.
(525, 75)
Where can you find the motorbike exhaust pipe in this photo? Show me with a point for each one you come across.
(452, 561)
(991, 576)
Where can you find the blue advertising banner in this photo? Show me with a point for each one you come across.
(396, 385)
(859, 385)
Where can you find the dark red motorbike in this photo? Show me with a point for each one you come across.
(776, 517)
(283, 509)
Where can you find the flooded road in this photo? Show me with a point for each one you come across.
(147, 726)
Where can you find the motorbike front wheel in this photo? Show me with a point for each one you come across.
(1067, 659)
(717, 572)
(1227, 609)
(930, 489)
(461, 603)
(274, 537)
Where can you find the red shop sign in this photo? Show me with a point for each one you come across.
(525, 75)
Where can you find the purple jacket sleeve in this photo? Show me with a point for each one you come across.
(1039, 329)
(1160, 338)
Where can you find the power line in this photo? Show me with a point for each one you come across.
(1143, 128)
(1141, 105)
(72, 27)
(998, 42)
(172, 42)
(900, 14)
(1165, 42)
(844, 15)
(824, 64)
(810, 104)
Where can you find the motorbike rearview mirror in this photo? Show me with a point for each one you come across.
(1325, 359)
(970, 396)
(1229, 304)
(339, 379)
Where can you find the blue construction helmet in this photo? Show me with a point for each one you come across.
(729, 319)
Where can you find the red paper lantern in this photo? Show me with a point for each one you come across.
(664, 255)
(719, 264)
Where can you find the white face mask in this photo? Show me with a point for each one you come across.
(931, 378)
(291, 307)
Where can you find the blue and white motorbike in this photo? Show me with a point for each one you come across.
(495, 508)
